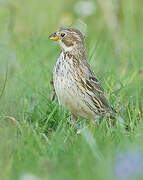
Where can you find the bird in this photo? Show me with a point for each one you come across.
(75, 84)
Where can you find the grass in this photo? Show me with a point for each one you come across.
(35, 134)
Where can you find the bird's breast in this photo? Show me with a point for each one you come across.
(63, 75)
(65, 82)
(68, 88)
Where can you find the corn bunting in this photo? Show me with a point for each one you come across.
(75, 83)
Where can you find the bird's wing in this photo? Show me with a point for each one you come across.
(95, 86)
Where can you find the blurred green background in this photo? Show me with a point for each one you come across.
(35, 136)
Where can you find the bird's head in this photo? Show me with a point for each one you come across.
(69, 39)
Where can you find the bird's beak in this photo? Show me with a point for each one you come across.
(54, 37)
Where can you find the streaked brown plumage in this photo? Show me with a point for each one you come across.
(75, 83)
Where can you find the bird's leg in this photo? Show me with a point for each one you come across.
(111, 121)
(73, 119)
(53, 90)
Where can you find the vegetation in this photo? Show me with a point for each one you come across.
(36, 140)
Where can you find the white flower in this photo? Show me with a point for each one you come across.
(85, 8)
(29, 177)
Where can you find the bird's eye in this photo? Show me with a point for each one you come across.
(62, 34)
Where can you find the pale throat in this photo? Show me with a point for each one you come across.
(66, 48)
